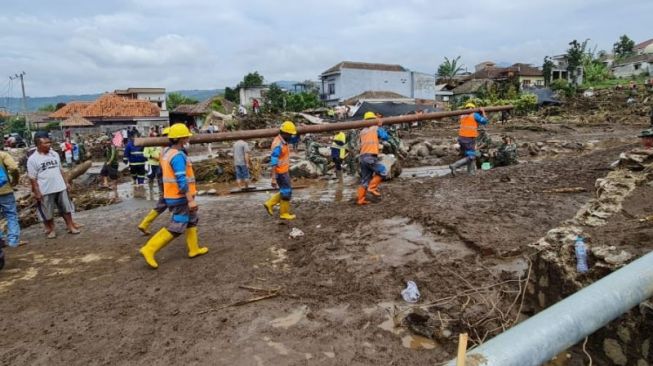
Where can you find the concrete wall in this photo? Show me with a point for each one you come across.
(249, 94)
(628, 70)
(534, 80)
(352, 82)
(423, 86)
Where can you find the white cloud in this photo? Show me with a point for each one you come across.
(73, 46)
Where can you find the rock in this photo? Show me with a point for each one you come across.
(212, 192)
(391, 164)
(420, 150)
(304, 169)
(439, 151)
(201, 193)
(613, 350)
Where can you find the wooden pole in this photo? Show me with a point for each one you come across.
(462, 349)
(204, 138)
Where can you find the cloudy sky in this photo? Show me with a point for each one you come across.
(81, 46)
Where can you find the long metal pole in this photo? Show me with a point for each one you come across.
(538, 339)
(340, 126)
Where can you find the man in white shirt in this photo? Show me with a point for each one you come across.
(49, 187)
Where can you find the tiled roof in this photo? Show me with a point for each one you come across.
(643, 45)
(77, 121)
(70, 109)
(111, 105)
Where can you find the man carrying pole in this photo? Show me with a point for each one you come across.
(372, 172)
(467, 135)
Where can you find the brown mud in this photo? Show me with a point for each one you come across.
(332, 295)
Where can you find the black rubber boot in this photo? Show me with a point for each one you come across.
(457, 165)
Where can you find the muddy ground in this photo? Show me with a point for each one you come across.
(334, 293)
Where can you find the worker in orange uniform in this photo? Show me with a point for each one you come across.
(467, 138)
(179, 193)
(161, 206)
(280, 163)
(372, 172)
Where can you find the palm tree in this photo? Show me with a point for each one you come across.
(449, 68)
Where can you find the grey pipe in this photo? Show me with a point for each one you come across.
(553, 330)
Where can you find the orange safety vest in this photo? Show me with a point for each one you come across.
(468, 126)
(369, 141)
(284, 159)
(170, 188)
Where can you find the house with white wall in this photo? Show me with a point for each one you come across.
(348, 79)
(633, 66)
(154, 95)
(247, 95)
(560, 70)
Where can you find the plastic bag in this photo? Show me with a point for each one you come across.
(410, 293)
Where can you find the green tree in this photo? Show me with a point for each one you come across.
(547, 69)
(232, 95)
(175, 99)
(251, 79)
(47, 108)
(16, 124)
(449, 68)
(623, 47)
(302, 101)
(575, 55)
(275, 99)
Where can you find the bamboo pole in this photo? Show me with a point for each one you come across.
(339, 126)
(462, 349)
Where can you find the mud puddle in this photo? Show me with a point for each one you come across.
(425, 172)
(403, 241)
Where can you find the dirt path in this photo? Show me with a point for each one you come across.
(90, 299)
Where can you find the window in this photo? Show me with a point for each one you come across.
(332, 88)
(637, 66)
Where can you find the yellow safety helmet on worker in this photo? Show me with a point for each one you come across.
(288, 127)
(470, 105)
(369, 115)
(178, 131)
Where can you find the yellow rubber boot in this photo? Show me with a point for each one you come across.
(158, 241)
(374, 185)
(273, 201)
(147, 221)
(192, 243)
(284, 211)
(360, 199)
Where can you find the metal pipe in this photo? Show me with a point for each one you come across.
(340, 126)
(538, 339)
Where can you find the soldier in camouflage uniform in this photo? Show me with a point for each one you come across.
(351, 160)
(507, 152)
(313, 155)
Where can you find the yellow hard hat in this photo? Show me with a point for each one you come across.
(165, 131)
(369, 115)
(179, 130)
(288, 127)
(470, 105)
(340, 137)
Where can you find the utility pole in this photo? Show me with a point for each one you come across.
(22, 86)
